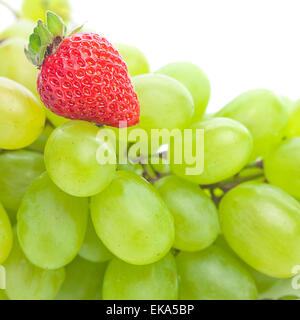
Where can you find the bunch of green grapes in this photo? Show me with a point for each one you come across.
(74, 227)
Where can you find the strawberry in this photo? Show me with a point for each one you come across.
(82, 76)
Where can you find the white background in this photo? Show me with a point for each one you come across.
(240, 44)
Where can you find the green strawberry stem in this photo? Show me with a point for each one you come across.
(12, 10)
(46, 38)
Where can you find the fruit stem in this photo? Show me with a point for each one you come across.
(229, 184)
(12, 10)
(256, 164)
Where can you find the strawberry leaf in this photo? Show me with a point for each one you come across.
(55, 24)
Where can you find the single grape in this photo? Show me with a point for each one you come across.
(195, 215)
(51, 224)
(213, 274)
(71, 157)
(3, 295)
(93, 248)
(262, 281)
(156, 281)
(293, 127)
(136, 61)
(195, 80)
(134, 168)
(227, 149)
(83, 281)
(263, 113)
(18, 169)
(288, 104)
(36, 9)
(15, 65)
(40, 143)
(6, 236)
(165, 102)
(24, 281)
(22, 117)
(282, 167)
(259, 222)
(55, 119)
(22, 28)
(132, 220)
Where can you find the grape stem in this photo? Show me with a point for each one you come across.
(229, 184)
(256, 164)
(12, 10)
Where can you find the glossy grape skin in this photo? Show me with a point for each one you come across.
(6, 236)
(83, 280)
(213, 274)
(156, 281)
(93, 248)
(22, 117)
(51, 224)
(164, 101)
(22, 28)
(293, 127)
(36, 9)
(71, 159)
(24, 281)
(263, 113)
(18, 169)
(40, 143)
(259, 222)
(16, 66)
(262, 281)
(135, 59)
(195, 215)
(194, 79)
(227, 149)
(282, 167)
(132, 220)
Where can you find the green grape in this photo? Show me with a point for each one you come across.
(132, 220)
(22, 117)
(227, 148)
(136, 61)
(24, 281)
(161, 168)
(51, 224)
(6, 236)
(93, 248)
(16, 66)
(40, 143)
(156, 281)
(136, 168)
(293, 127)
(164, 101)
(288, 104)
(195, 80)
(36, 9)
(263, 113)
(213, 274)
(262, 281)
(20, 29)
(55, 119)
(282, 167)
(281, 289)
(259, 222)
(83, 280)
(195, 215)
(71, 157)
(18, 169)
(3, 295)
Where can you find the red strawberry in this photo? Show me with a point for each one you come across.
(82, 76)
